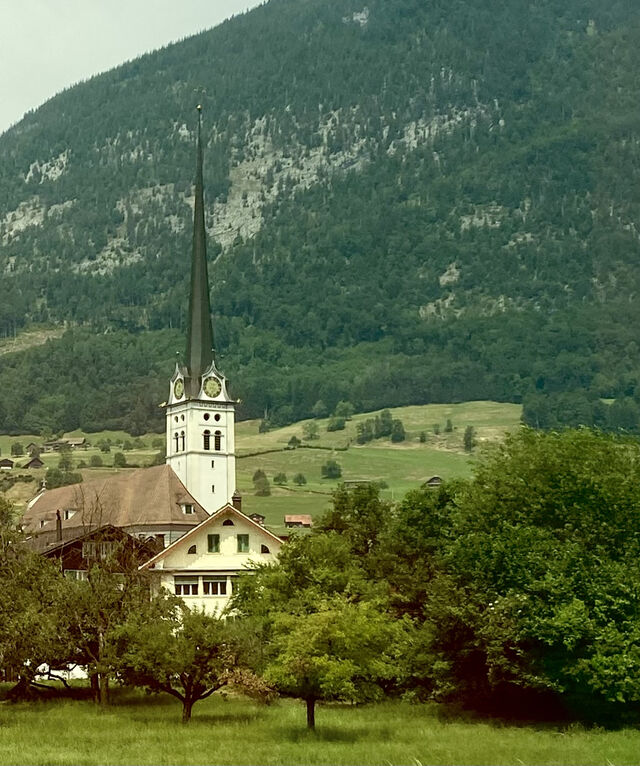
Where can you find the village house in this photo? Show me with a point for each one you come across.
(203, 565)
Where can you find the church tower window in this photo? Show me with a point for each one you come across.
(207, 440)
(216, 440)
(182, 440)
(175, 436)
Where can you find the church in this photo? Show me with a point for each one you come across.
(189, 506)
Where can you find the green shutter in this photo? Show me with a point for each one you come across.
(243, 543)
(213, 543)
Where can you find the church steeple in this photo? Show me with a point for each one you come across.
(200, 334)
(200, 415)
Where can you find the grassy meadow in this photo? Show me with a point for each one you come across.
(402, 466)
(146, 730)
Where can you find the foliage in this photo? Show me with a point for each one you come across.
(188, 654)
(300, 479)
(310, 431)
(17, 449)
(58, 478)
(331, 470)
(336, 424)
(280, 478)
(469, 439)
(119, 460)
(397, 431)
(342, 651)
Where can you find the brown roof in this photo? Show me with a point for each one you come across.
(298, 518)
(146, 497)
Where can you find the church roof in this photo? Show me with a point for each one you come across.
(200, 333)
(149, 497)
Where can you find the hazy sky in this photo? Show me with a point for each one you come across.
(47, 45)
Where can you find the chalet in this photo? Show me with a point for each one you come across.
(257, 517)
(6, 464)
(35, 462)
(108, 545)
(56, 445)
(298, 521)
(203, 565)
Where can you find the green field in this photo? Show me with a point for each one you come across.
(402, 466)
(142, 730)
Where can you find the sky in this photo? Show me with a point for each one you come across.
(48, 45)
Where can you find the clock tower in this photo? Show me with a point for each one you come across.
(200, 415)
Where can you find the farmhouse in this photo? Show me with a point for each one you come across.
(6, 464)
(189, 507)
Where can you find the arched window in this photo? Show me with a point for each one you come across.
(217, 436)
(228, 523)
(207, 439)
(264, 549)
(175, 436)
(192, 549)
(182, 439)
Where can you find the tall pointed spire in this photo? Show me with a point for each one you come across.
(200, 334)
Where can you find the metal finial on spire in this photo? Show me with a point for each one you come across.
(200, 334)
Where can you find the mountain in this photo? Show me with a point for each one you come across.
(408, 201)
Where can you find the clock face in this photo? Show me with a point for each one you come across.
(212, 387)
(178, 388)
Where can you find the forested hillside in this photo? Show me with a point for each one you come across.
(408, 202)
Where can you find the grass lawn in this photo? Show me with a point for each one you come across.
(141, 730)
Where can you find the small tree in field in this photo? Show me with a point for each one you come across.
(339, 653)
(331, 470)
(17, 450)
(187, 654)
(469, 440)
(310, 431)
(299, 479)
(280, 478)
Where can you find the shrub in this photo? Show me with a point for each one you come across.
(331, 470)
(336, 424)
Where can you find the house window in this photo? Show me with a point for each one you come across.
(207, 439)
(75, 574)
(228, 523)
(188, 509)
(214, 586)
(213, 543)
(95, 550)
(243, 543)
(233, 583)
(192, 550)
(68, 514)
(186, 586)
(42, 523)
(216, 440)
(264, 549)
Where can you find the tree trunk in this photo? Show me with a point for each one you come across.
(187, 704)
(104, 688)
(311, 713)
(95, 686)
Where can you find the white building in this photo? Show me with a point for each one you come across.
(203, 565)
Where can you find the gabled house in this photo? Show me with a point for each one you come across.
(6, 464)
(35, 462)
(203, 565)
